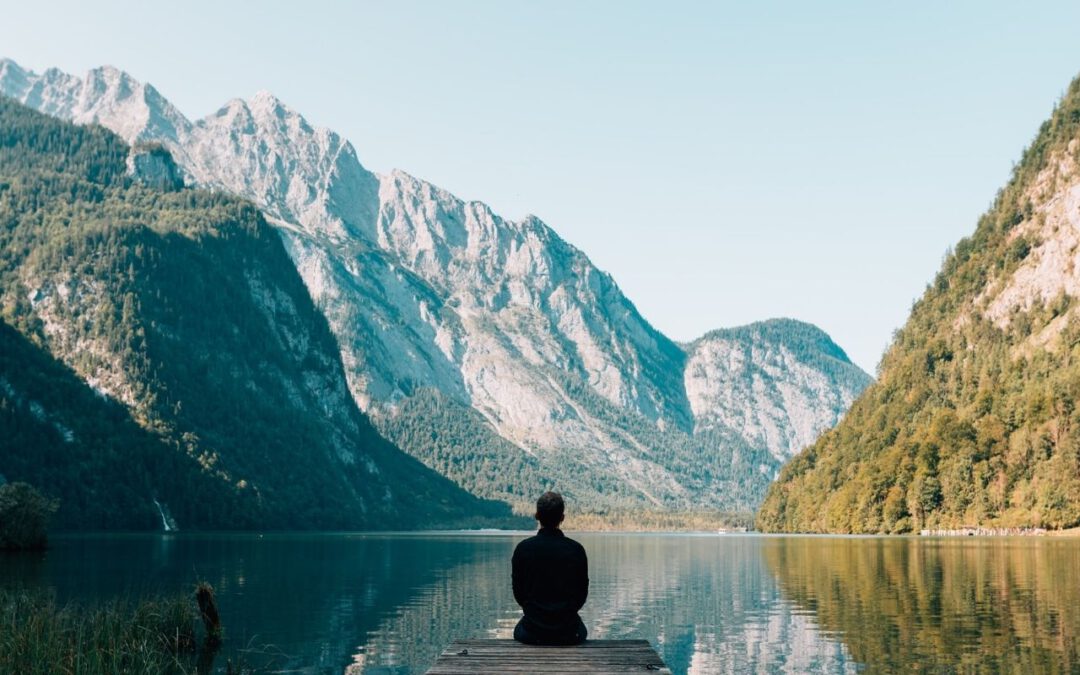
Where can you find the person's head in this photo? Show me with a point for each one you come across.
(550, 509)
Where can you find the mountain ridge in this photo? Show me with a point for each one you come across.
(425, 291)
(192, 372)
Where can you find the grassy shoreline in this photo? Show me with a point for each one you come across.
(37, 635)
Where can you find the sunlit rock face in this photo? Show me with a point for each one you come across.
(1049, 239)
(425, 291)
(153, 166)
(779, 382)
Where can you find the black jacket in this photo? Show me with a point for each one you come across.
(551, 581)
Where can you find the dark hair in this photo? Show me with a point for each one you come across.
(549, 509)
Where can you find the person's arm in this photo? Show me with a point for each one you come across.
(581, 591)
(517, 578)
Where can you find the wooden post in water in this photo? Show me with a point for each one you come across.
(204, 594)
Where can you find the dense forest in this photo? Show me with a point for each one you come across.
(60, 434)
(460, 444)
(724, 477)
(159, 346)
(973, 419)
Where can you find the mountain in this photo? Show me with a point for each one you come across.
(779, 382)
(491, 349)
(163, 362)
(973, 419)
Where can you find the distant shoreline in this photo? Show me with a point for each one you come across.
(999, 532)
(731, 531)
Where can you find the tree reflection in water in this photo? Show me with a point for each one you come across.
(941, 605)
(387, 603)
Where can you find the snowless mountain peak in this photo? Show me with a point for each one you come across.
(267, 98)
(112, 75)
(265, 106)
(13, 79)
(105, 95)
(265, 101)
(504, 319)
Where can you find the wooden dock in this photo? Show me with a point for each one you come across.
(599, 657)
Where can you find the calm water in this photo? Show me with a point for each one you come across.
(710, 604)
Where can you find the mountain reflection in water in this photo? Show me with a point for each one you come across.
(707, 603)
(389, 603)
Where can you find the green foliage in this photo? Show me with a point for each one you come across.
(720, 470)
(185, 307)
(24, 517)
(38, 637)
(968, 423)
(717, 467)
(56, 431)
(456, 441)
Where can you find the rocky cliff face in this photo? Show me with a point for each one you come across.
(779, 382)
(167, 364)
(503, 319)
(153, 166)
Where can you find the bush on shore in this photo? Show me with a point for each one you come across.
(24, 517)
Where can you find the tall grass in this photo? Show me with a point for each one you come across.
(151, 636)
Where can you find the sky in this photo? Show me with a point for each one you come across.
(725, 162)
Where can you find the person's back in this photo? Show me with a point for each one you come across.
(550, 575)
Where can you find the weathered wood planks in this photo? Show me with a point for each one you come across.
(480, 657)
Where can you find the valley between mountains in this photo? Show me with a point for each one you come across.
(491, 350)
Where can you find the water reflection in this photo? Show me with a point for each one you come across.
(389, 603)
(293, 602)
(940, 605)
(708, 604)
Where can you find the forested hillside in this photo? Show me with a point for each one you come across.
(489, 348)
(159, 345)
(974, 419)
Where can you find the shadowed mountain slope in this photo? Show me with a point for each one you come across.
(183, 313)
(544, 373)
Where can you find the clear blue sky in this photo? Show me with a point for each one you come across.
(725, 162)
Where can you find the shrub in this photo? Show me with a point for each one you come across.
(24, 516)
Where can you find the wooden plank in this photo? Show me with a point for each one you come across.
(542, 666)
(485, 649)
(594, 644)
(597, 657)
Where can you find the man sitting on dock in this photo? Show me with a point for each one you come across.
(551, 580)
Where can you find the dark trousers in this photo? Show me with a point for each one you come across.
(531, 636)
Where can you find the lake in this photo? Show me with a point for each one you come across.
(388, 603)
